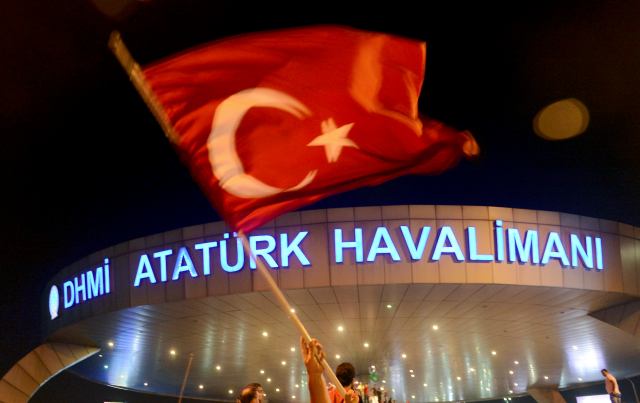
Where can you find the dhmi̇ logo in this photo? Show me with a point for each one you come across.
(85, 286)
(54, 302)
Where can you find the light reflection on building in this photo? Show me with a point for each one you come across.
(127, 361)
(585, 362)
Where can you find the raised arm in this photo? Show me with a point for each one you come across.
(317, 387)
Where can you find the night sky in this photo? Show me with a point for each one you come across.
(85, 165)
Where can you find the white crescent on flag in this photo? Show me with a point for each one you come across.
(223, 155)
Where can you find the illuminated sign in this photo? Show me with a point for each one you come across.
(279, 251)
(83, 287)
(262, 246)
(54, 302)
(518, 249)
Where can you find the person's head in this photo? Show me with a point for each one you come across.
(252, 393)
(257, 386)
(345, 373)
(604, 372)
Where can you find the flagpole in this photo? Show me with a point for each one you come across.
(284, 304)
(186, 375)
(136, 76)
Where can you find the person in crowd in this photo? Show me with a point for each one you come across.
(252, 393)
(345, 373)
(611, 384)
(317, 386)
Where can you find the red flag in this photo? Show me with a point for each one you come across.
(270, 122)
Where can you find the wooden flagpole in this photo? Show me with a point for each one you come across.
(284, 304)
(136, 76)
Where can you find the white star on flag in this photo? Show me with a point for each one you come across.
(333, 139)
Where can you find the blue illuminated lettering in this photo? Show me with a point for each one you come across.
(510, 245)
(86, 286)
(499, 237)
(340, 245)
(446, 236)
(577, 249)
(599, 264)
(262, 252)
(107, 276)
(69, 297)
(382, 235)
(80, 288)
(473, 247)
(553, 242)
(144, 271)
(519, 250)
(162, 255)
(416, 251)
(224, 261)
(183, 263)
(286, 249)
(206, 259)
(95, 285)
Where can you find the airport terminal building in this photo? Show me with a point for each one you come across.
(430, 303)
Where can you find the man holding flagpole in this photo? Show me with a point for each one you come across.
(317, 386)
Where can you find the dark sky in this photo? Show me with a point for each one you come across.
(85, 166)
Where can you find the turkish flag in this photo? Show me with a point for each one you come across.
(269, 122)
